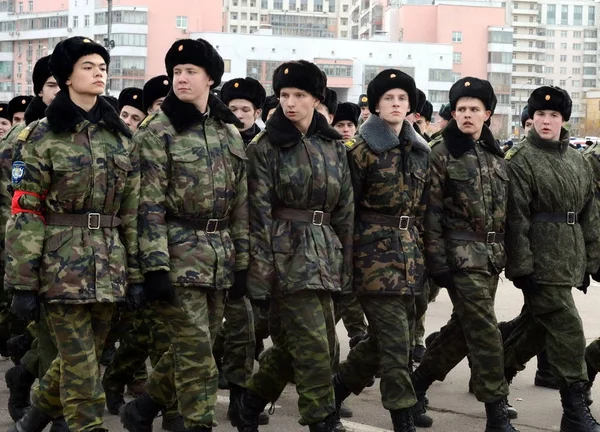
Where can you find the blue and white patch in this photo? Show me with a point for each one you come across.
(18, 172)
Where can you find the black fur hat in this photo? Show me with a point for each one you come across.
(389, 79)
(112, 101)
(331, 100)
(421, 99)
(347, 111)
(132, 96)
(300, 74)
(270, 103)
(363, 100)
(445, 112)
(197, 52)
(67, 52)
(426, 111)
(41, 73)
(155, 88)
(18, 104)
(550, 98)
(244, 88)
(4, 112)
(524, 116)
(475, 88)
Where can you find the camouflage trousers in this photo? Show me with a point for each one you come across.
(43, 348)
(549, 320)
(422, 301)
(349, 310)
(10, 325)
(592, 354)
(472, 329)
(386, 349)
(304, 341)
(71, 386)
(236, 342)
(187, 371)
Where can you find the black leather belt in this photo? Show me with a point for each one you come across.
(400, 222)
(570, 218)
(91, 221)
(484, 237)
(315, 217)
(209, 226)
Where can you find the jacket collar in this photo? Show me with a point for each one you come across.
(36, 110)
(250, 133)
(561, 145)
(459, 143)
(184, 115)
(380, 137)
(282, 132)
(63, 115)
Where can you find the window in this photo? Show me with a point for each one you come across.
(278, 4)
(589, 58)
(591, 15)
(529, 56)
(86, 21)
(438, 96)
(575, 95)
(234, 30)
(181, 22)
(244, 29)
(244, 16)
(578, 15)
(576, 71)
(550, 82)
(234, 16)
(344, 21)
(576, 34)
(550, 45)
(456, 36)
(549, 69)
(589, 83)
(444, 75)
(564, 15)
(345, 8)
(19, 67)
(227, 64)
(576, 83)
(125, 39)
(264, 4)
(75, 21)
(253, 29)
(589, 71)
(344, 34)
(551, 15)
(564, 34)
(20, 7)
(563, 46)
(499, 57)
(335, 70)
(530, 44)
(30, 5)
(563, 70)
(576, 59)
(529, 68)
(550, 57)
(590, 34)
(590, 46)
(253, 17)
(550, 32)
(563, 58)
(577, 46)
(457, 58)
(562, 83)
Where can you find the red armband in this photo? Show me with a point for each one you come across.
(16, 207)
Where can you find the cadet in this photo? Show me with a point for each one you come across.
(345, 120)
(301, 219)
(464, 248)
(131, 107)
(363, 104)
(269, 107)
(72, 239)
(193, 232)
(237, 344)
(155, 91)
(423, 119)
(5, 120)
(444, 116)
(551, 202)
(17, 107)
(329, 105)
(245, 98)
(389, 267)
(526, 123)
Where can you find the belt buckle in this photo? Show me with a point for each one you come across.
(404, 223)
(318, 217)
(490, 237)
(208, 229)
(571, 218)
(90, 219)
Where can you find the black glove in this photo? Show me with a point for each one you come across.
(585, 284)
(17, 346)
(239, 288)
(135, 297)
(527, 284)
(158, 286)
(26, 305)
(444, 280)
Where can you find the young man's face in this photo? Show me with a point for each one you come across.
(297, 105)
(364, 112)
(155, 105)
(528, 126)
(132, 117)
(49, 90)
(190, 82)
(423, 124)
(393, 106)
(89, 75)
(245, 111)
(547, 124)
(345, 128)
(470, 115)
(5, 126)
(18, 118)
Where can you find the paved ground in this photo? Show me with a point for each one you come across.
(452, 407)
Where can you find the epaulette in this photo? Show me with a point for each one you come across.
(28, 130)
(436, 141)
(257, 137)
(350, 144)
(512, 152)
(145, 122)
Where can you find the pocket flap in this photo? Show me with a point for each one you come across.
(123, 162)
(56, 241)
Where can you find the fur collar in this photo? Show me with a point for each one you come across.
(282, 132)
(458, 143)
(64, 116)
(380, 138)
(36, 110)
(184, 115)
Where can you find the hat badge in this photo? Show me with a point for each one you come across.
(364, 99)
(236, 85)
(23, 101)
(1, 108)
(547, 97)
(135, 97)
(166, 82)
(393, 75)
(86, 41)
(180, 48)
(467, 84)
(286, 71)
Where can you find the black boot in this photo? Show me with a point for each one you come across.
(341, 393)
(235, 395)
(421, 384)
(114, 401)
(497, 417)
(18, 382)
(402, 420)
(138, 415)
(199, 429)
(325, 425)
(59, 425)
(173, 424)
(576, 412)
(591, 377)
(34, 420)
(248, 409)
(17, 346)
(543, 375)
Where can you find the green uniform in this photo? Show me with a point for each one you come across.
(550, 178)
(301, 219)
(467, 197)
(390, 176)
(193, 168)
(66, 165)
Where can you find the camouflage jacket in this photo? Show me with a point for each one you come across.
(549, 176)
(64, 164)
(305, 172)
(467, 193)
(193, 167)
(390, 175)
(511, 151)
